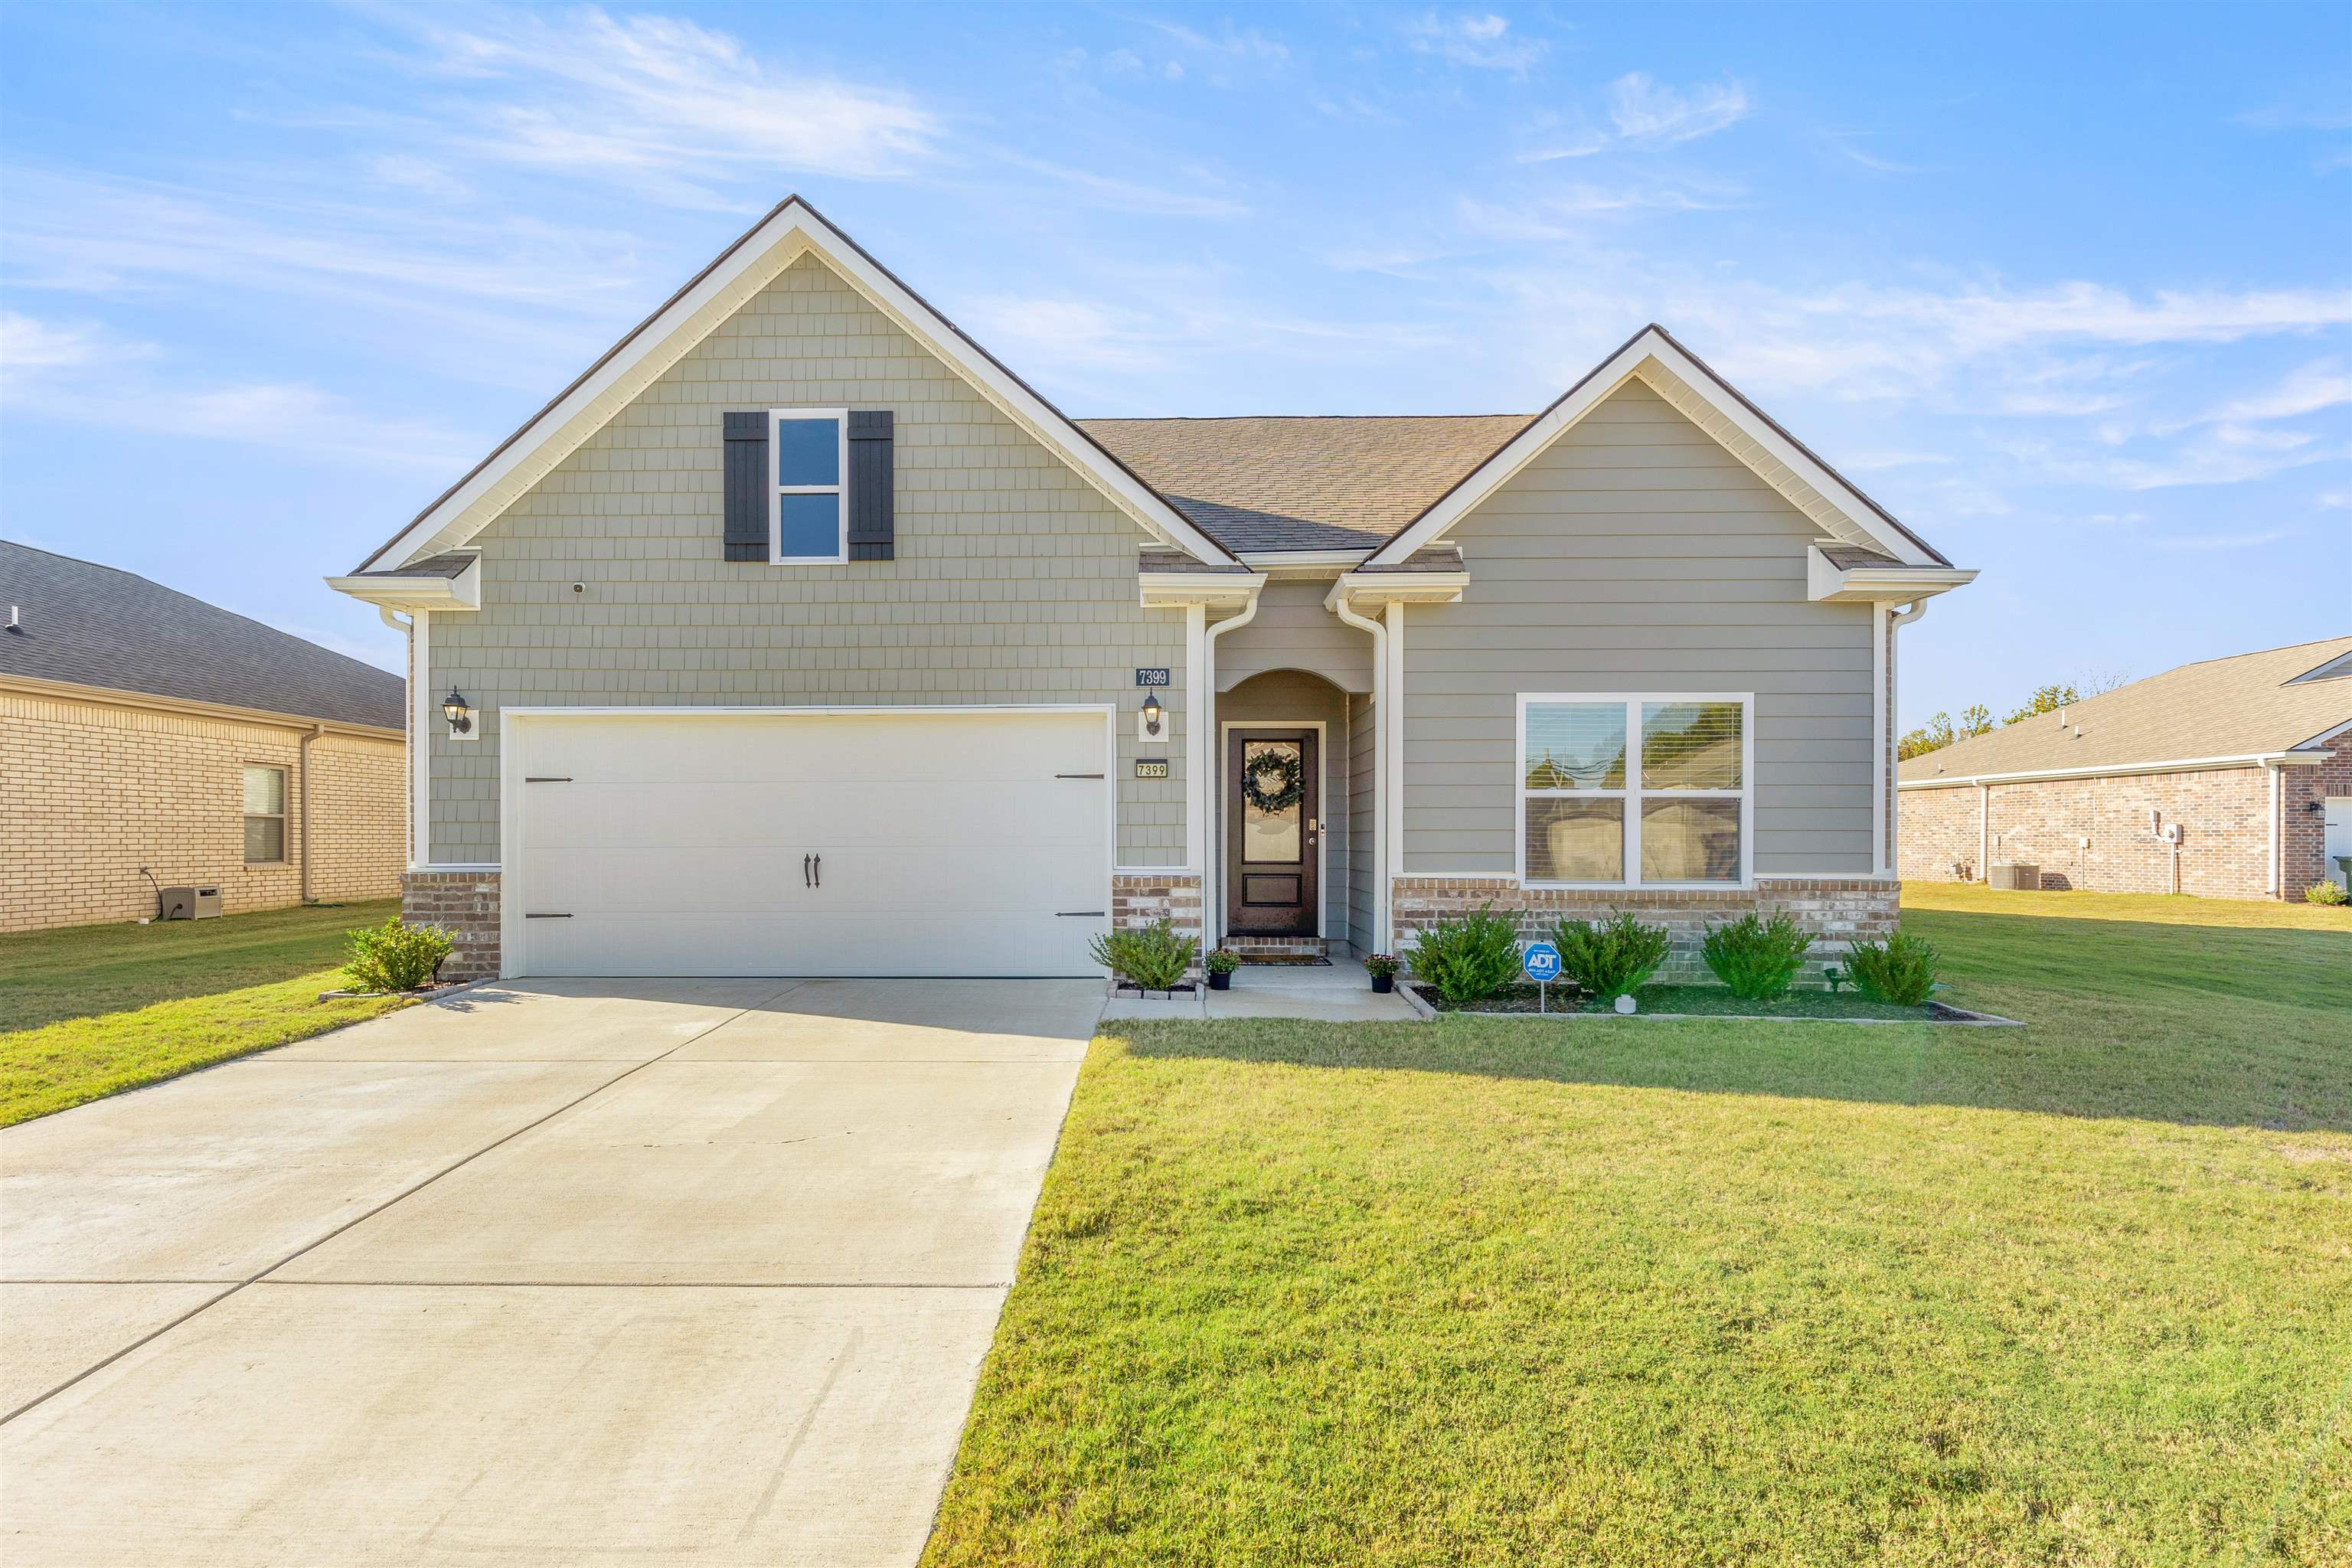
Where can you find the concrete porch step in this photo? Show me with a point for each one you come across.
(1279, 948)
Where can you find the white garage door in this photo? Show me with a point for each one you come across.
(951, 843)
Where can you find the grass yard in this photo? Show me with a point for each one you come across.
(92, 1010)
(1483, 1291)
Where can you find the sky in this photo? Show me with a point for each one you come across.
(2068, 289)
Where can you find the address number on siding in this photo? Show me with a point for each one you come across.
(1151, 770)
(1152, 677)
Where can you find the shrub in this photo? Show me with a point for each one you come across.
(1900, 971)
(395, 957)
(1381, 964)
(2323, 894)
(1224, 961)
(1609, 958)
(1755, 959)
(1154, 957)
(1469, 959)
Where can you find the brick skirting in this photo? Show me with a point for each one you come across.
(1836, 910)
(465, 905)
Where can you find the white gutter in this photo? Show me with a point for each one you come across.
(2182, 764)
(1382, 712)
(302, 758)
(1210, 771)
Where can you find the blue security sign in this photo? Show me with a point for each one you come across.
(1541, 960)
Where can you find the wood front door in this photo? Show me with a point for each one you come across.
(1274, 829)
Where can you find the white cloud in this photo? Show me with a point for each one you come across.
(2322, 384)
(663, 105)
(1552, 215)
(1240, 44)
(1645, 111)
(1128, 196)
(29, 346)
(1482, 41)
(2199, 543)
(422, 175)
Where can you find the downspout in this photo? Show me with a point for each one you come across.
(1890, 804)
(1984, 833)
(420, 684)
(1211, 769)
(1381, 913)
(2277, 878)
(302, 766)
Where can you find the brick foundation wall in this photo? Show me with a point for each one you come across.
(1140, 898)
(465, 905)
(1836, 910)
(2224, 815)
(94, 790)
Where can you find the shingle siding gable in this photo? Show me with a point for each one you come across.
(1013, 581)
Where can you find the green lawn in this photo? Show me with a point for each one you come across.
(92, 1010)
(1485, 1291)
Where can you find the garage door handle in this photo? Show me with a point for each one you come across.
(533, 917)
(546, 778)
(820, 871)
(805, 882)
(1078, 914)
(1077, 775)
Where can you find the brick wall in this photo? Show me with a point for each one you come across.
(93, 791)
(1835, 911)
(465, 905)
(2093, 833)
(1140, 898)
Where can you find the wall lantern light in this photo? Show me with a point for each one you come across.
(460, 716)
(1152, 714)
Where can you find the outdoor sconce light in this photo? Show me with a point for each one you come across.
(1152, 714)
(460, 716)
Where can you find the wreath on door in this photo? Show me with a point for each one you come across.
(1274, 781)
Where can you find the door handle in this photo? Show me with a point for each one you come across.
(804, 873)
(820, 871)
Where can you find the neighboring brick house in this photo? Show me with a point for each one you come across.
(799, 635)
(153, 739)
(2227, 779)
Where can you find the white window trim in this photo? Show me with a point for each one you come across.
(283, 816)
(1632, 793)
(840, 488)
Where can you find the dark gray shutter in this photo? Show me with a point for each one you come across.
(747, 486)
(873, 506)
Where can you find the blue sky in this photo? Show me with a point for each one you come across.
(2066, 288)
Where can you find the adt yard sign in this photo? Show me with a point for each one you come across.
(1541, 960)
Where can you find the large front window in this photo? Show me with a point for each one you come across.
(1634, 791)
(808, 497)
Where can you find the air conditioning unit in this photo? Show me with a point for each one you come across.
(2015, 875)
(191, 903)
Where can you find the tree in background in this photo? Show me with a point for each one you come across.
(1940, 730)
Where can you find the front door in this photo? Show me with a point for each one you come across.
(1273, 826)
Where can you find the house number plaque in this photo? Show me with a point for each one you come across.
(1152, 677)
(1151, 770)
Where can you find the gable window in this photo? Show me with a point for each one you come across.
(265, 814)
(1640, 791)
(808, 494)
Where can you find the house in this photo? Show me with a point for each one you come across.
(155, 741)
(801, 635)
(2230, 778)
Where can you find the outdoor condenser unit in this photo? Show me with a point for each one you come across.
(191, 903)
(2016, 875)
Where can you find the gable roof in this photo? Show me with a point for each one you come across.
(2249, 705)
(1274, 482)
(791, 229)
(93, 625)
(1713, 404)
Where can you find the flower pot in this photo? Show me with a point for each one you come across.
(1221, 980)
(1383, 983)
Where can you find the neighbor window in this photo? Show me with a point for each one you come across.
(265, 814)
(1632, 790)
(808, 505)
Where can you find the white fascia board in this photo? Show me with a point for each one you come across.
(1315, 562)
(1651, 343)
(2109, 770)
(793, 228)
(1832, 585)
(1398, 587)
(393, 591)
(1167, 590)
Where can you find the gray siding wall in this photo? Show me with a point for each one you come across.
(1015, 580)
(1362, 912)
(1294, 631)
(1638, 555)
(1286, 697)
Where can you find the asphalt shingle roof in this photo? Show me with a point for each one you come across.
(2221, 708)
(95, 626)
(1270, 482)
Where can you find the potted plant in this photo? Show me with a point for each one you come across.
(1383, 968)
(1220, 966)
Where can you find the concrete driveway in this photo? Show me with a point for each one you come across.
(563, 1272)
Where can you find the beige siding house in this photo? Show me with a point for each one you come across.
(800, 636)
(153, 740)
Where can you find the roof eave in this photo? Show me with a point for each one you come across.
(1829, 584)
(1399, 587)
(1174, 590)
(395, 591)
